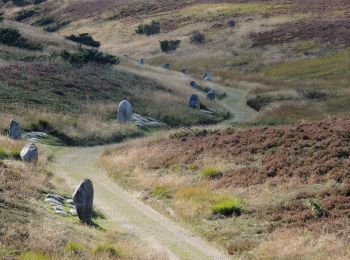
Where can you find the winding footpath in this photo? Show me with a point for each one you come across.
(75, 164)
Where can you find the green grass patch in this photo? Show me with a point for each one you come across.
(7, 154)
(161, 192)
(228, 207)
(33, 256)
(73, 248)
(211, 173)
(106, 250)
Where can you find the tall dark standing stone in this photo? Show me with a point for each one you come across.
(15, 130)
(142, 62)
(83, 199)
(211, 96)
(194, 102)
(193, 84)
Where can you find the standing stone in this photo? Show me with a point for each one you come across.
(184, 71)
(211, 96)
(194, 102)
(193, 84)
(231, 23)
(166, 66)
(83, 198)
(30, 153)
(15, 130)
(142, 61)
(124, 112)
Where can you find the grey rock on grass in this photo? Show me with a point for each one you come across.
(30, 153)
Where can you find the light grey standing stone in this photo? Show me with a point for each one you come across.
(83, 199)
(30, 153)
(15, 130)
(124, 112)
(194, 102)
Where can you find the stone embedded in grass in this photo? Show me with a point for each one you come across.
(73, 212)
(193, 84)
(30, 153)
(124, 112)
(211, 96)
(58, 207)
(83, 199)
(15, 130)
(55, 197)
(194, 102)
(53, 201)
(61, 213)
(166, 66)
(69, 201)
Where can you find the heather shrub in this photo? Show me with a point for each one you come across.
(312, 94)
(21, 15)
(169, 45)
(197, 38)
(44, 21)
(12, 37)
(148, 29)
(56, 26)
(85, 55)
(84, 38)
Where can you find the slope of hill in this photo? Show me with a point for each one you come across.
(273, 184)
(79, 104)
(296, 51)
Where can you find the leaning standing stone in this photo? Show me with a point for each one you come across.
(83, 199)
(29, 153)
(194, 102)
(15, 130)
(124, 112)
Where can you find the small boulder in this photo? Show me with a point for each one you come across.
(53, 202)
(194, 102)
(30, 153)
(211, 96)
(15, 130)
(55, 197)
(184, 71)
(193, 84)
(124, 112)
(166, 66)
(83, 199)
(231, 23)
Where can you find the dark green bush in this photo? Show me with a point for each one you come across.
(56, 26)
(84, 38)
(85, 55)
(148, 29)
(169, 45)
(197, 38)
(44, 21)
(21, 15)
(312, 94)
(12, 37)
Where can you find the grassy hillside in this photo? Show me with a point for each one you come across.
(79, 104)
(281, 46)
(277, 192)
(29, 229)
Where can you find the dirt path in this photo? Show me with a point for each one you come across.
(234, 102)
(75, 164)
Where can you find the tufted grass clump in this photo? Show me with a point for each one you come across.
(228, 207)
(317, 208)
(73, 248)
(105, 250)
(161, 192)
(33, 256)
(211, 173)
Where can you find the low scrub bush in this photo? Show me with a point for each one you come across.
(21, 15)
(56, 26)
(312, 94)
(169, 45)
(197, 38)
(12, 37)
(105, 250)
(317, 208)
(148, 29)
(259, 102)
(85, 55)
(44, 21)
(228, 207)
(84, 38)
(211, 173)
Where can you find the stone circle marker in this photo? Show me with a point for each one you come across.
(142, 61)
(184, 71)
(211, 96)
(166, 66)
(30, 153)
(193, 84)
(83, 198)
(15, 130)
(194, 102)
(124, 112)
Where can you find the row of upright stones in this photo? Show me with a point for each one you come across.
(82, 202)
(194, 101)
